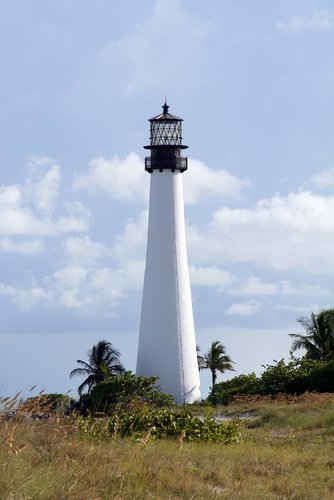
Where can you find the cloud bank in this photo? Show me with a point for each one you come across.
(321, 20)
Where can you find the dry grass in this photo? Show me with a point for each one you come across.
(47, 459)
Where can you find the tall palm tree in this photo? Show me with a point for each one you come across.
(103, 361)
(215, 360)
(319, 339)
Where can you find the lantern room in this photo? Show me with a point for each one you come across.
(166, 143)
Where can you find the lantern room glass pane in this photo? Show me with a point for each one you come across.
(166, 133)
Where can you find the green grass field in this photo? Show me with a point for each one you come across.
(285, 451)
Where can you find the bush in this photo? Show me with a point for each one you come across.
(158, 423)
(295, 377)
(242, 384)
(126, 389)
(322, 377)
(292, 378)
(46, 404)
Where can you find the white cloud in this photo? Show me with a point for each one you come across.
(76, 208)
(124, 179)
(25, 298)
(91, 287)
(10, 197)
(201, 182)
(85, 281)
(24, 222)
(83, 249)
(16, 219)
(69, 224)
(21, 221)
(254, 286)
(69, 299)
(295, 232)
(281, 233)
(27, 247)
(308, 290)
(210, 276)
(42, 185)
(321, 20)
(114, 282)
(26, 209)
(295, 309)
(75, 287)
(6, 289)
(244, 308)
(131, 244)
(71, 276)
(324, 179)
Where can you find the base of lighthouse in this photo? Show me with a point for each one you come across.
(167, 345)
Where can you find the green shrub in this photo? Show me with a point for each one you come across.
(282, 377)
(127, 389)
(294, 377)
(159, 423)
(242, 384)
(44, 404)
(322, 377)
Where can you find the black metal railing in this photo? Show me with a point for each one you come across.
(170, 163)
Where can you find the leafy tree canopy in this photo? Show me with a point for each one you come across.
(126, 389)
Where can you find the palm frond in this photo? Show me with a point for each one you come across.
(103, 362)
(319, 339)
(79, 371)
(84, 364)
(88, 382)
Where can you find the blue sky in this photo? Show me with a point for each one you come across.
(254, 82)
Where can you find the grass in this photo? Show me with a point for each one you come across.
(286, 451)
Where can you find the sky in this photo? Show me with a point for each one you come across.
(254, 82)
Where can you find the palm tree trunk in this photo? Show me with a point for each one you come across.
(214, 377)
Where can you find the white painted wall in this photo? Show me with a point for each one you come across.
(167, 345)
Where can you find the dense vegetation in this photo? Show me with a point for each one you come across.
(52, 448)
(147, 422)
(124, 390)
(293, 377)
(109, 385)
(313, 372)
(134, 407)
(282, 451)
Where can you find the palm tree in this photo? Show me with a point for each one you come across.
(215, 360)
(200, 358)
(103, 361)
(319, 338)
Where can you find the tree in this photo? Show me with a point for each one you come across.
(103, 361)
(215, 360)
(319, 338)
(127, 389)
(200, 358)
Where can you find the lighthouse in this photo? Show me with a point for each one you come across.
(167, 344)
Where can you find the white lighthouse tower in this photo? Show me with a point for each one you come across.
(167, 345)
